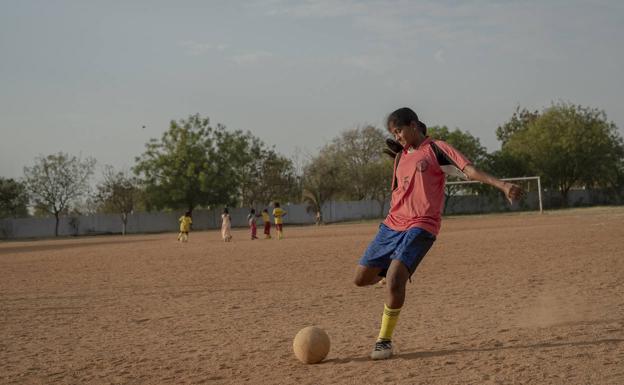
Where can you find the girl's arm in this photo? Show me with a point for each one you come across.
(512, 191)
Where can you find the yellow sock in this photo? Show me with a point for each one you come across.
(388, 322)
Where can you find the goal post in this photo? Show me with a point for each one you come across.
(516, 179)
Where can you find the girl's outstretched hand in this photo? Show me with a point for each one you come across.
(513, 192)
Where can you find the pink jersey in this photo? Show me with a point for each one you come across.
(418, 199)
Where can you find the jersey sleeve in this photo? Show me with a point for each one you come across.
(448, 155)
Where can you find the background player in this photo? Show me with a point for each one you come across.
(278, 213)
(185, 226)
(266, 219)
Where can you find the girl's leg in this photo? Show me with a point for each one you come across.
(396, 280)
(365, 276)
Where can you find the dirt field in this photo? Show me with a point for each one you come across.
(502, 299)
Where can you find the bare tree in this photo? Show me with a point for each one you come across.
(118, 193)
(57, 181)
(321, 181)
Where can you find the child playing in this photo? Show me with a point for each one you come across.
(267, 224)
(278, 213)
(185, 226)
(226, 226)
(413, 221)
(252, 219)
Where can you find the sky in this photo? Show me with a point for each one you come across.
(100, 78)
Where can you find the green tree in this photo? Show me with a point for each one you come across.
(178, 169)
(194, 164)
(570, 145)
(615, 183)
(118, 193)
(271, 177)
(468, 145)
(184, 169)
(520, 120)
(56, 182)
(463, 141)
(13, 198)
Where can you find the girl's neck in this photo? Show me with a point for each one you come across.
(418, 141)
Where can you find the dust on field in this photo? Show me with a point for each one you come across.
(522, 298)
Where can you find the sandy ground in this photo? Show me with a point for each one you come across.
(501, 299)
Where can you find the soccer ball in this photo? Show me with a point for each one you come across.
(311, 345)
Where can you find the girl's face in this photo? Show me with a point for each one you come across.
(406, 135)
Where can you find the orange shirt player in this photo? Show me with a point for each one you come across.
(414, 218)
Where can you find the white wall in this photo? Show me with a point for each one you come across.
(334, 211)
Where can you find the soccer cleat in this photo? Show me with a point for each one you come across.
(382, 350)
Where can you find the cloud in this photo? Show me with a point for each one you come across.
(314, 8)
(370, 63)
(194, 48)
(250, 58)
(439, 56)
(472, 23)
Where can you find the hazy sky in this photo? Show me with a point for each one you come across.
(84, 77)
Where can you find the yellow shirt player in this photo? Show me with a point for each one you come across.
(278, 213)
(266, 218)
(185, 226)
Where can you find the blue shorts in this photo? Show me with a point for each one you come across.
(409, 247)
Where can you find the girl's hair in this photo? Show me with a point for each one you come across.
(187, 214)
(276, 204)
(265, 211)
(404, 117)
(225, 211)
(252, 211)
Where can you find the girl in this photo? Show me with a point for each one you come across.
(226, 226)
(251, 218)
(415, 215)
(185, 226)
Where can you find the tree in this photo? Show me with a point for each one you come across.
(177, 171)
(118, 193)
(570, 145)
(615, 183)
(57, 181)
(359, 152)
(465, 143)
(352, 166)
(194, 164)
(379, 175)
(271, 177)
(321, 180)
(519, 121)
(13, 198)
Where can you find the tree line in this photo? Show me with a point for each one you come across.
(197, 165)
